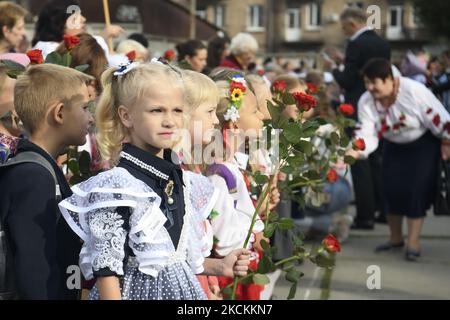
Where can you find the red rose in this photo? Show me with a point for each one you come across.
(169, 55)
(279, 86)
(71, 41)
(332, 176)
(429, 110)
(261, 72)
(312, 88)
(436, 120)
(331, 244)
(359, 144)
(131, 55)
(236, 85)
(346, 109)
(35, 56)
(304, 101)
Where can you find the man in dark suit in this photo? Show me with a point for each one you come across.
(363, 45)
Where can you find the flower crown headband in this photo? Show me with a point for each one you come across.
(238, 86)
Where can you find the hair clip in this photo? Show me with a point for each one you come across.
(164, 62)
(238, 86)
(125, 68)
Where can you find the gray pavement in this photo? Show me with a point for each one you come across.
(399, 279)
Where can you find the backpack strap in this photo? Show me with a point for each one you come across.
(34, 157)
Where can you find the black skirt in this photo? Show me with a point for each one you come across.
(409, 173)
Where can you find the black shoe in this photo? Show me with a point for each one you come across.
(412, 255)
(388, 246)
(363, 225)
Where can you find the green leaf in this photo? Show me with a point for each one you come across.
(275, 113)
(269, 230)
(308, 133)
(66, 59)
(324, 261)
(334, 137)
(214, 214)
(266, 265)
(73, 166)
(260, 178)
(288, 98)
(274, 216)
(341, 152)
(292, 132)
(297, 160)
(54, 58)
(297, 241)
(321, 121)
(286, 224)
(13, 74)
(12, 65)
(305, 147)
(293, 275)
(312, 175)
(288, 266)
(261, 279)
(264, 245)
(82, 67)
(227, 291)
(344, 141)
(85, 162)
(349, 160)
(287, 169)
(292, 291)
(246, 280)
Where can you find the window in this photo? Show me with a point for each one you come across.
(396, 17)
(357, 4)
(219, 16)
(292, 18)
(201, 12)
(255, 18)
(314, 15)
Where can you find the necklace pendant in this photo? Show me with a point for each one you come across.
(170, 200)
(168, 191)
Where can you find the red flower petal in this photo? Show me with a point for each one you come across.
(429, 110)
(436, 120)
(332, 176)
(331, 244)
(346, 109)
(35, 56)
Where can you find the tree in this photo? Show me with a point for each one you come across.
(434, 16)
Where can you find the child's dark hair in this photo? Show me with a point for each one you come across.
(377, 68)
(189, 48)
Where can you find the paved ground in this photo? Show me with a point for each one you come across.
(399, 279)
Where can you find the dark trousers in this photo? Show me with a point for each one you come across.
(366, 176)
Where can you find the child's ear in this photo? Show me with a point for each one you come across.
(57, 113)
(125, 117)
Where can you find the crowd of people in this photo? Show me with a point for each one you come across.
(150, 223)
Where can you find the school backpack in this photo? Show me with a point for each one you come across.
(7, 290)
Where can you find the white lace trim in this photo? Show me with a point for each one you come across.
(92, 213)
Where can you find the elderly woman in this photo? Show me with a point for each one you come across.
(243, 50)
(12, 26)
(416, 131)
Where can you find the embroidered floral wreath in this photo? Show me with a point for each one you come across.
(238, 86)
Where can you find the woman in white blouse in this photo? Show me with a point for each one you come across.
(415, 128)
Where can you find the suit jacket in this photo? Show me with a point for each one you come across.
(365, 47)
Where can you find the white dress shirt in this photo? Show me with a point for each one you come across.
(414, 111)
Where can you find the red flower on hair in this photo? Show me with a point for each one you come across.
(279, 86)
(312, 88)
(331, 244)
(170, 55)
(346, 109)
(71, 41)
(131, 55)
(237, 85)
(359, 144)
(35, 56)
(332, 176)
(436, 120)
(304, 101)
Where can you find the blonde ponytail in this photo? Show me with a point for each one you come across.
(111, 132)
